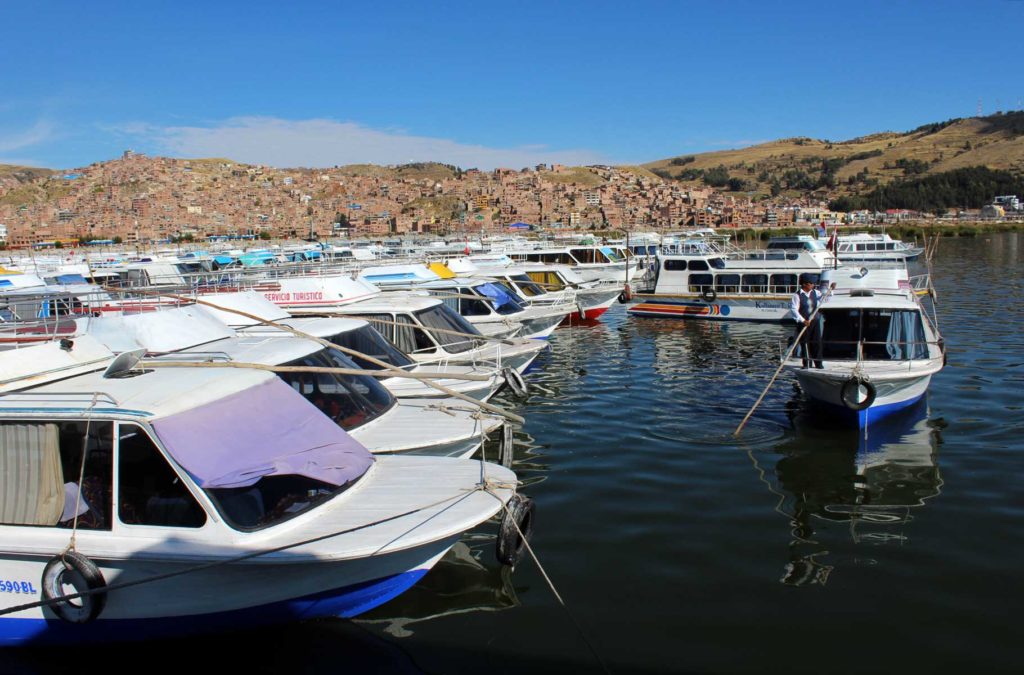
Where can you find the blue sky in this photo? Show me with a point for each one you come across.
(486, 83)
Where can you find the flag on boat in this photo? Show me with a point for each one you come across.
(833, 240)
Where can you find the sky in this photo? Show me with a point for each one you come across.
(487, 84)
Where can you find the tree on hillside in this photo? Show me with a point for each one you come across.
(717, 177)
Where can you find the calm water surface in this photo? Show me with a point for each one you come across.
(677, 547)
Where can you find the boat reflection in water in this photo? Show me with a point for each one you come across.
(461, 582)
(863, 487)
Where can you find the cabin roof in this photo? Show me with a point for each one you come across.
(150, 395)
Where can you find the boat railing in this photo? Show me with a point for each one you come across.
(70, 396)
(858, 355)
(198, 357)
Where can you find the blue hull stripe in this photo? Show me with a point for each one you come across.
(865, 418)
(344, 602)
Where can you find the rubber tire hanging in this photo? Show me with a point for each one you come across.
(75, 570)
(510, 546)
(851, 387)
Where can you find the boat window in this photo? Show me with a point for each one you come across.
(368, 341)
(549, 280)
(502, 298)
(717, 263)
(755, 283)
(727, 283)
(585, 255)
(42, 467)
(149, 491)
(402, 331)
(349, 400)
(527, 286)
(883, 335)
(445, 319)
(673, 265)
(784, 283)
(471, 306)
(698, 265)
(271, 500)
(700, 282)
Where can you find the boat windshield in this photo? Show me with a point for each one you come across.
(271, 500)
(527, 285)
(504, 300)
(370, 342)
(877, 334)
(349, 400)
(446, 319)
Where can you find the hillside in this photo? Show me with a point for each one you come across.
(796, 166)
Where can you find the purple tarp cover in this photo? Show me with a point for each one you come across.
(266, 430)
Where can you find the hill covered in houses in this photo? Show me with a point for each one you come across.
(960, 163)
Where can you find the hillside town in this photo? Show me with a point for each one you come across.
(139, 199)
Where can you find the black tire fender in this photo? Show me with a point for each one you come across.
(709, 294)
(518, 518)
(77, 571)
(849, 394)
(515, 382)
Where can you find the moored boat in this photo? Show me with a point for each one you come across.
(878, 351)
(186, 500)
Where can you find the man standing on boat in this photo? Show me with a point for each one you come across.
(803, 308)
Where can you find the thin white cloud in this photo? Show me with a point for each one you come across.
(740, 143)
(40, 132)
(21, 161)
(323, 142)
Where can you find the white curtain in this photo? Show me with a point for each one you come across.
(31, 479)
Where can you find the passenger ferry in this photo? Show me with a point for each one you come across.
(874, 247)
(740, 286)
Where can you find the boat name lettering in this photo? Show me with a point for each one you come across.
(26, 587)
(297, 297)
(769, 305)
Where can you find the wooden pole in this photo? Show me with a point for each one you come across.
(792, 348)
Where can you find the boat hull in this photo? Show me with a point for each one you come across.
(723, 309)
(892, 396)
(220, 598)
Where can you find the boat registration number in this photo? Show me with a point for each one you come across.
(9, 586)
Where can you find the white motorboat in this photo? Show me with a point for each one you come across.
(593, 263)
(358, 404)
(879, 349)
(356, 335)
(430, 332)
(179, 501)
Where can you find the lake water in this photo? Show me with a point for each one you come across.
(678, 547)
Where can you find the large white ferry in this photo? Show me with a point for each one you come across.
(874, 247)
(744, 286)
